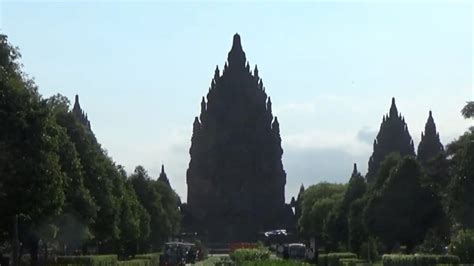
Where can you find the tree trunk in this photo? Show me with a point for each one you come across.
(16, 242)
(34, 252)
(45, 246)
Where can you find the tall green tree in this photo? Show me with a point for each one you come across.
(161, 203)
(402, 210)
(80, 209)
(461, 188)
(337, 225)
(134, 220)
(32, 183)
(317, 202)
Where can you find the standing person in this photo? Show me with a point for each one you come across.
(316, 255)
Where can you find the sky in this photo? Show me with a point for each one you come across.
(331, 69)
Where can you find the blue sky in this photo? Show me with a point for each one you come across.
(330, 68)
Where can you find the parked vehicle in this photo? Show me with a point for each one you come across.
(294, 251)
(297, 251)
(174, 254)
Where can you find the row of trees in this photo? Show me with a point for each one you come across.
(421, 205)
(59, 188)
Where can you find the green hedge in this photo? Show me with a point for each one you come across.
(98, 260)
(333, 258)
(249, 254)
(323, 260)
(273, 263)
(419, 260)
(135, 262)
(350, 262)
(448, 259)
(154, 258)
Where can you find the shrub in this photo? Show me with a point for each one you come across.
(463, 246)
(98, 260)
(350, 262)
(323, 260)
(273, 263)
(333, 258)
(154, 258)
(448, 259)
(250, 254)
(135, 262)
(425, 259)
(398, 260)
(419, 260)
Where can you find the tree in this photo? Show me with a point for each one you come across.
(468, 110)
(460, 198)
(161, 203)
(357, 229)
(317, 202)
(337, 227)
(134, 220)
(463, 246)
(80, 210)
(32, 182)
(402, 210)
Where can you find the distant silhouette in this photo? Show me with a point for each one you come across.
(80, 114)
(430, 145)
(163, 177)
(393, 136)
(236, 182)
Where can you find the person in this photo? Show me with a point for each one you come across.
(316, 255)
(309, 254)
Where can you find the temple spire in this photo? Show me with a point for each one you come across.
(269, 105)
(393, 136)
(276, 125)
(77, 106)
(393, 109)
(163, 177)
(236, 57)
(354, 171)
(216, 74)
(80, 114)
(430, 145)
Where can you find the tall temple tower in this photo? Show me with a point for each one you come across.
(430, 146)
(236, 182)
(80, 114)
(393, 136)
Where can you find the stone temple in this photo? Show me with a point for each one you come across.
(236, 181)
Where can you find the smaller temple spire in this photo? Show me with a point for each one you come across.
(293, 202)
(255, 72)
(196, 125)
(80, 114)
(260, 84)
(269, 105)
(77, 106)
(393, 109)
(163, 177)
(301, 190)
(203, 105)
(430, 145)
(276, 126)
(216, 73)
(354, 171)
